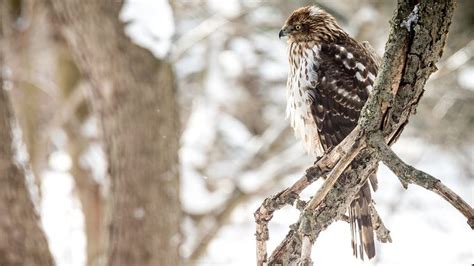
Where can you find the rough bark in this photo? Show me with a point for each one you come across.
(22, 242)
(134, 95)
(417, 38)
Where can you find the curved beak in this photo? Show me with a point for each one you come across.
(283, 32)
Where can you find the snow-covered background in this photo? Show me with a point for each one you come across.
(231, 71)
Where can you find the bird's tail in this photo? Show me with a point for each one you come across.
(361, 224)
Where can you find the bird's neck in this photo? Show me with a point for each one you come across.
(298, 50)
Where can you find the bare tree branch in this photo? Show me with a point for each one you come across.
(411, 175)
(288, 196)
(333, 176)
(383, 234)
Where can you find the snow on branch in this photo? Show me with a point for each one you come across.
(411, 19)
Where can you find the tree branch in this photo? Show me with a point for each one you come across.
(288, 196)
(383, 234)
(409, 174)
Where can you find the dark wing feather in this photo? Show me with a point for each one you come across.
(339, 94)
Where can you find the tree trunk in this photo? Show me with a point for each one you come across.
(89, 191)
(135, 96)
(28, 53)
(22, 242)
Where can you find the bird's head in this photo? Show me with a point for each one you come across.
(311, 23)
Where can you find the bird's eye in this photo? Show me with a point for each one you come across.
(298, 27)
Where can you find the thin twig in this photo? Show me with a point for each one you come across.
(383, 234)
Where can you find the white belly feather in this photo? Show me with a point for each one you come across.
(299, 99)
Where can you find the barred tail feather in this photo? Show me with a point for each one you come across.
(361, 224)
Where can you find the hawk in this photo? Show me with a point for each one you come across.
(330, 78)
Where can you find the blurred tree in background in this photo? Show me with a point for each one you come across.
(22, 241)
(134, 95)
(56, 54)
